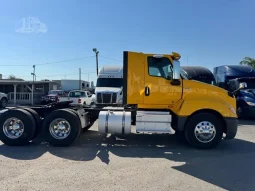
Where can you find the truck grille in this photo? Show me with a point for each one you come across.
(106, 98)
(99, 98)
(114, 98)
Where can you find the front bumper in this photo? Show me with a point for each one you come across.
(231, 127)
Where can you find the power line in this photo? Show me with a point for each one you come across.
(73, 74)
(53, 75)
(110, 58)
(65, 60)
(56, 62)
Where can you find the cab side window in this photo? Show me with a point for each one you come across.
(160, 67)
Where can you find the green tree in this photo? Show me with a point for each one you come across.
(248, 61)
(12, 77)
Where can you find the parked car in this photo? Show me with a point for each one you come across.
(3, 100)
(52, 96)
(245, 98)
(78, 97)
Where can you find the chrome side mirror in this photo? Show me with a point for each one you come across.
(176, 70)
(242, 85)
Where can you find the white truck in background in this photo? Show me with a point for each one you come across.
(78, 97)
(109, 86)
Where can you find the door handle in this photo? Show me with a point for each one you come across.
(147, 91)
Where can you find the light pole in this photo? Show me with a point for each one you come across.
(32, 96)
(96, 52)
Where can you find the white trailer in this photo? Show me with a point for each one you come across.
(68, 85)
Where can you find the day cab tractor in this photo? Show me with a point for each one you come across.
(156, 99)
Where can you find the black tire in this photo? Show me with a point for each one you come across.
(37, 121)
(71, 118)
(29, 127)
(73, 111)
(3, 103)
(194, 121)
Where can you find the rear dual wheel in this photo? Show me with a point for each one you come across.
(37, 121)
(17, 127)
(61, 127)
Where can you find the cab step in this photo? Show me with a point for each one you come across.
(157, 122)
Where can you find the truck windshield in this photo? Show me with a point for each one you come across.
(110, 82)
(250, 83)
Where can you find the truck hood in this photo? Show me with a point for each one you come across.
(200, 89)
(107, 90)
(52, 95)
(3, 94)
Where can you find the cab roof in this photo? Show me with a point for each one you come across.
(110, 71)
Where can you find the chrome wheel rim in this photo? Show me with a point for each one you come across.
(60, 128)
(13, 128)
(205, 132)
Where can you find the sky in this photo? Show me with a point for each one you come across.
(206, 33)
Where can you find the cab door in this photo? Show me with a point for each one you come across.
(158, 89)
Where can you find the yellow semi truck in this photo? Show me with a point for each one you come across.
(156, 99)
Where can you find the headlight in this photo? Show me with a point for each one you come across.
(120, 101)
(251, 103)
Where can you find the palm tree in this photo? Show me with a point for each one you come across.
(248, 61)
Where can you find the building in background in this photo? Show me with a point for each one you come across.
(20, 91)
(68, 85)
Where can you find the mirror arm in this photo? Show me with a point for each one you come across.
(236, 90)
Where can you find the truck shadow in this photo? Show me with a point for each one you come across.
(230, 165)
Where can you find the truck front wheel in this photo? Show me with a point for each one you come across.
(61, 127)
(204, 130)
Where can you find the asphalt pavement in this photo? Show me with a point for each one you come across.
(131, 162)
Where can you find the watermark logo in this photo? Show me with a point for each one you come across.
(30, 25)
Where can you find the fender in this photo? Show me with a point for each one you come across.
(188, 107)
(191, 106)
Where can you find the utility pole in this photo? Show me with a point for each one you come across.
(88, 77)
(96, 52)
(32, 95)
(80, 79)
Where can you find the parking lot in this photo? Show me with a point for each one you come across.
(131, 162)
